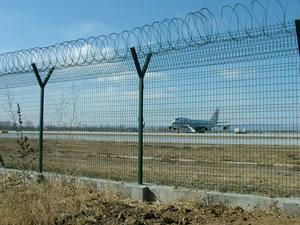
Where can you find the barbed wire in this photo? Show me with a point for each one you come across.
(196, 29)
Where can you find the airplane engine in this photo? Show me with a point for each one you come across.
(225, 128)
(172, 128)
(202, 130)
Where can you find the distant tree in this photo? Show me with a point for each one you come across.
(28, 124)
(5, 125)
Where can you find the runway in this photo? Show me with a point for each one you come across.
(285, 139)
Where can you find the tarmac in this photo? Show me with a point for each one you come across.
(285, 139)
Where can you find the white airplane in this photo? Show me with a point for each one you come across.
(197, 126)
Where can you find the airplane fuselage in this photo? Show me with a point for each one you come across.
(192, 125)
(195, 126)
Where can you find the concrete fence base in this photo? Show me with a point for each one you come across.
(167, 194)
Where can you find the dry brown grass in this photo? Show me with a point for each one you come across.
(45, 203)
(271, 170)
(65, 202)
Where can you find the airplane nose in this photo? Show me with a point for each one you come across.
(172, 125)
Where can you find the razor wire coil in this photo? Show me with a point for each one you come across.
(196, 29)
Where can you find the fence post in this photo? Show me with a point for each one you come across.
(297, 22)
(141, 73)
(42, 86)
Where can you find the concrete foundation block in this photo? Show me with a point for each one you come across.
(150, 192)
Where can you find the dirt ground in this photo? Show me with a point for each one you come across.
(120, 211)
(261, 169)
(69, 203)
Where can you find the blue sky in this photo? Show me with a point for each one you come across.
(247, 92)
(31, 23)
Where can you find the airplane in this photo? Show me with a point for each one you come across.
(197, 126)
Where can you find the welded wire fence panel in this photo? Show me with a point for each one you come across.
(11, 127)
(233, 113)
(88, 121)
(221, 109)
(90, 124)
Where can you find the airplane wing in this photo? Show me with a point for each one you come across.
(222, 122)
(191, 129)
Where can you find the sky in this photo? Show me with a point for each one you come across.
(32, 23)
(251, 92)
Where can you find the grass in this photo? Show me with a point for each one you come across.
(268, 170)
(62, 202)
(44, 203)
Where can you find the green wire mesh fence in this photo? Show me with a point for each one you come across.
(221, 111)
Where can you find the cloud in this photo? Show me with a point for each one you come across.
(127, 76)
(87, 29)
(147, 95)
(234, 73)
(156, 95)
(81, 53)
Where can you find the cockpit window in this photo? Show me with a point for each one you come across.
(180, 119)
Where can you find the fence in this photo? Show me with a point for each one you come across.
(109, 111)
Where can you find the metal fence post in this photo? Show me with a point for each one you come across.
(297, 22)
(42, 86)
(141, 74)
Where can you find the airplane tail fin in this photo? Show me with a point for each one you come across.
(215, 116)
